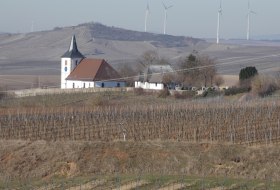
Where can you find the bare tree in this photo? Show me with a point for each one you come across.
(128, 74)
(168, 79)
(149, 58)
(278, 77)
(197, 70)
(218, 80)
(208, 70)
(264, 85)
(188, 70)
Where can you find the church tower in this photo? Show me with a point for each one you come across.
(69, 60)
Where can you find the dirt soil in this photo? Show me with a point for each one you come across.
(41, 159)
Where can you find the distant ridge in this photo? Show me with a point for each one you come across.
(273, 37)
(101, 31)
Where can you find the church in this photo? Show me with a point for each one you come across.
(77, 71)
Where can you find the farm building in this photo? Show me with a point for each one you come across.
(153, 77)
(77, 71)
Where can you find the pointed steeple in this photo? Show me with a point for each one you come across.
(73, 51)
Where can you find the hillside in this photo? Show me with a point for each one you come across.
(38, 53)
(44, 162)
(100, 31)
(43, 49)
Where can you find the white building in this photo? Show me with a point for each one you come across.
(77, 71)
(153, 77)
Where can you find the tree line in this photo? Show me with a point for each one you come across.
(194, 70)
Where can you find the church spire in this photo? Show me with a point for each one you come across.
(73, 45)
(73, 51)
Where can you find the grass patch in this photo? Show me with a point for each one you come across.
(153, 181)
(90, 99)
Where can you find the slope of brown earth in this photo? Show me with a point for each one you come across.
(41, 159)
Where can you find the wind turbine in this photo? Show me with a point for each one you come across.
(218, 26)
(165, 16)
(146, 16)
(32, 26)
(248, 19)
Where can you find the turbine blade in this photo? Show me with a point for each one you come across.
(220, 10)
(170, 7)
(253, 12)
(164, 5)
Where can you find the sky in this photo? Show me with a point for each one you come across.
(195, 18)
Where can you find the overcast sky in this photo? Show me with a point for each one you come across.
(196, 18)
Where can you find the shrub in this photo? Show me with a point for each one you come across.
(247, 73)
(99, 100)
(264, 85)
(236, 90)
(184, 94)
(3, 94)
(139, 91)
(210, 92)
(163, 93)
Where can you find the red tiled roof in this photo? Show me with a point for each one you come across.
(93, 70)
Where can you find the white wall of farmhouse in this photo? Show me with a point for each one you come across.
(147, 85)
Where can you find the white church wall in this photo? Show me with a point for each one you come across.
(109, 84)
(70, 84)
(67, 66)
(65, 70)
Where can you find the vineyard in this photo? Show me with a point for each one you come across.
(190, 121)
(133, 141)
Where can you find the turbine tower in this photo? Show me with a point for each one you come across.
(146, 16)
(248, 20)
(219, 22)
(165, 16)
(32, 26)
